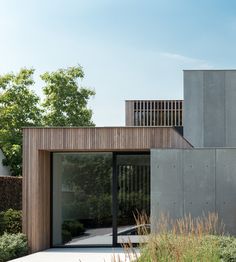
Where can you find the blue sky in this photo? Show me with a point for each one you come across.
(128, 49)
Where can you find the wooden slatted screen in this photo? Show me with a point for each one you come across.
(154, 113)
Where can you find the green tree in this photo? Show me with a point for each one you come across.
(18, 108)
(66, 103)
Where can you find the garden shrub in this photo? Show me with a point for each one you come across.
(74, 227)
(66, 236)
(11, 221)
(12, 246)
(227, 248)
(2, 223)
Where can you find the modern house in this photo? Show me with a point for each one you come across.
(83, 186)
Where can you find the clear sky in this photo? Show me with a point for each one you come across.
(128, 49)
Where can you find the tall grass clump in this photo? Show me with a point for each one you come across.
(186, 239)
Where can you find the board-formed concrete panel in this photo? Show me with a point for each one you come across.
(194, 181)
(166, 184)
(230, 112)
(210, 108)
(214, 108)
(226, 188)
(193, 107)
(199, 181)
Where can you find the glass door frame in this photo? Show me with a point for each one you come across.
(114, 194)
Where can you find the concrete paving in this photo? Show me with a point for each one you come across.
(79, 255)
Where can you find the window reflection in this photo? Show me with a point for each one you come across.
(133, 196)
(82, 198)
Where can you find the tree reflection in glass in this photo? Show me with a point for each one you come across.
(85, 197)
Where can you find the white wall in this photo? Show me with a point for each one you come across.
(4, 170)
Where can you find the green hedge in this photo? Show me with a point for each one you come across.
(10, 193)
(11, 221)
(12, 246)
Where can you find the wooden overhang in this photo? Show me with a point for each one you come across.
(38, 143)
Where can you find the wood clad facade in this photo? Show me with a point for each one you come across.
(39, 142)
(154, 113)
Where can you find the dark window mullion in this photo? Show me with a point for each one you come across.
(114, 200)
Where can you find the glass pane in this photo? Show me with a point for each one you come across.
(133, 197)
(82, 199)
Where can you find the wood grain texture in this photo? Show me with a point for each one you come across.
(39, 142)
(154, 112)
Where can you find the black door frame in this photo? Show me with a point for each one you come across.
(114, 202)
(114, 195)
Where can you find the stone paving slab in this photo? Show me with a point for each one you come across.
(78, 255)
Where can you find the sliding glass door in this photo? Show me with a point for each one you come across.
(96, 197)
(133, 172)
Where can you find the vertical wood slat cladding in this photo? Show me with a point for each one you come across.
(129, 109)
(129, 138)
(166, 112)
(39, 142)
(36, 191)
(44, 198)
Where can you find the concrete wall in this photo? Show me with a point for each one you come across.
(4, 170)
(194, 181)
(210, 108)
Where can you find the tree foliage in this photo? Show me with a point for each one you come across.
(66, 102)
(18, 108)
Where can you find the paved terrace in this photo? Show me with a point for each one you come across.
(78, 255)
